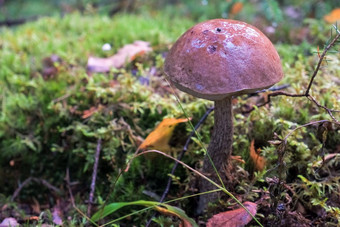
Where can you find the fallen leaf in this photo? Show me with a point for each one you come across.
(35, 206)
(259, 161)
(236, 8)
(56, 216)
(91, 111)
(159, 138)
(333, 16)
(237, 158)
(234, 218)
(124, 55)
(7, 222)
(32, 218)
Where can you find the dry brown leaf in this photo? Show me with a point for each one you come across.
(7, 222)
(159, 138)
(259, 161)
(237, 158)
(234, 218)
(333, 16)
(56, 215)
(124, 55)
(36, 206)
(91, 111)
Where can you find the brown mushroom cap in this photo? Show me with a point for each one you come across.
(220, 58)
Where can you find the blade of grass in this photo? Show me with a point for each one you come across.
(202, 175)
(197, 135)
(148, 208)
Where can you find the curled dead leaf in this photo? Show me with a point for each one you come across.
(333, 16)
(234, 218)
(124, 55)
(259, 161)
(159, 138)
(238, 159)
(91, 111)
(7, 222)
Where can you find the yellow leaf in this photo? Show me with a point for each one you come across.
(333, 16)
(159, 138)
(259, 161)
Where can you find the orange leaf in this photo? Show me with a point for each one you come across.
(333, 16)
(237, 158)
(91, 111)
(259, 161)
(159, 138)
(124, 55)
(236, 8)
(234, 218)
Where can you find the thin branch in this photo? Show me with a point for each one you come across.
(329, 111)
(94, 176)
(306, 94)
(302, 126)
(273, 94)
(68, 182)
(185, 148)
(28, 180)
(61, 98)
(17, 191)
(329, 46)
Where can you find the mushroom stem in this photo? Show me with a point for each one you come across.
(219, 149)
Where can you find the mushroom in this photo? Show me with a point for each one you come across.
(215, 60)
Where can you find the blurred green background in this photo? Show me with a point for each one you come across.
(280, 20)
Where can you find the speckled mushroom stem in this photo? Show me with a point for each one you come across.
(219, 149)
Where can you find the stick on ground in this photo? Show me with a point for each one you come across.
(94, 176)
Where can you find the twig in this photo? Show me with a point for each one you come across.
(304, 125)
(47, 184)
(61, 98)
(67, 178)
(94, 176)
(306, 93)
(180, 156)
(282, 145)
(185, 148)
(329, 46)
(17, 191)
(274, 88)
(41, 181)
(273, 94)
(329, 111)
